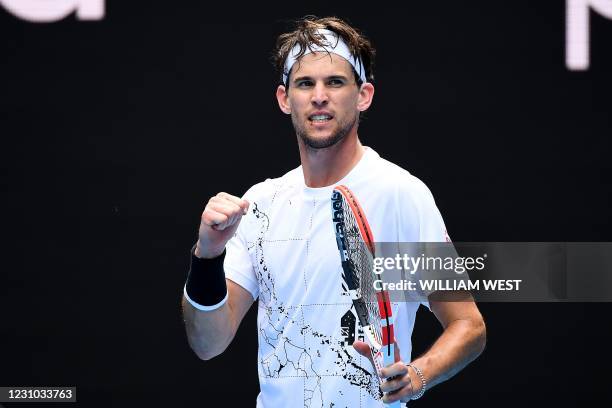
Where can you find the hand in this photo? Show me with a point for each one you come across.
(399, 384)
(220, 220)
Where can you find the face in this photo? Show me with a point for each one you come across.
(323, 99)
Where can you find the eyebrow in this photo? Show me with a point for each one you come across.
(305, 77)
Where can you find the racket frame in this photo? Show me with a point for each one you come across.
(383, 351)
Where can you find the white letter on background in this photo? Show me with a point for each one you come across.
(47, 11)
(577, 30)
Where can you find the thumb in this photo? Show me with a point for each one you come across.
(365, 350)
(362, 348)
(396, 351)
(245, 206)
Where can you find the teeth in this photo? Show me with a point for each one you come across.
(320, 117)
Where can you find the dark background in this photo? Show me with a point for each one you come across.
(115, 133)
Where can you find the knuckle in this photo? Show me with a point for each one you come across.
(224, 196)
(207, 221)
(209, 211)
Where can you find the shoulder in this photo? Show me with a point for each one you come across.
(267, 190)
(421, 217)
(412, 196)
(406, 185)
(266, 203)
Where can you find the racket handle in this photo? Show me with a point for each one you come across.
(388, 353)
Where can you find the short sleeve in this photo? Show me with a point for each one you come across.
(238, 266)
(238, 263)
(431, 226)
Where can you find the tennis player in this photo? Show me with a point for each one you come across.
(276, 244)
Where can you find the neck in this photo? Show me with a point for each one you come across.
(324, 167)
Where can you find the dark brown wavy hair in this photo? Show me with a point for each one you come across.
(304, 35)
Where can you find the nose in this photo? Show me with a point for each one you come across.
(319, 94)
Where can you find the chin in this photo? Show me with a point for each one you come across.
(321, 138)
(320, 141)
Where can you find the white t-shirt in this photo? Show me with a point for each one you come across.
(284, 253)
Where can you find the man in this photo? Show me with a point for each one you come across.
(277, 245)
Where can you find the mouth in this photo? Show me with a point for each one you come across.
(319, 118)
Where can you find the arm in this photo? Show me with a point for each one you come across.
(210, 332)
(462, 340)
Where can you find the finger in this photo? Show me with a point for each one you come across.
(223, 222)
(237, 206)
(230, 209)
(243, 204)
(395, 383)
(213, 218)
(364, 349)
(396, 351)
(398, 368)
(396, 395)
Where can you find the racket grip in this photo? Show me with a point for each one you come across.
(388, 354)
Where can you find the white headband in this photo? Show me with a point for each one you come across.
(333, 43)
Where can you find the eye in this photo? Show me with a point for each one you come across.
(336, 82)
(304, 84)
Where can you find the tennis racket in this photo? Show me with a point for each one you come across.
(356, 245)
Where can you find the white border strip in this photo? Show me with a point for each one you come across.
(202, 307)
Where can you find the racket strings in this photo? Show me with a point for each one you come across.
(359, 254)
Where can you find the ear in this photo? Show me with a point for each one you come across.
(366, 94)
(283, 99)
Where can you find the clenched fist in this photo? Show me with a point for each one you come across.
(220, 220)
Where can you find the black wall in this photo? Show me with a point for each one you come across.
(115, 133)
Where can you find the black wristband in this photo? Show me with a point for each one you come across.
(205, 287)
